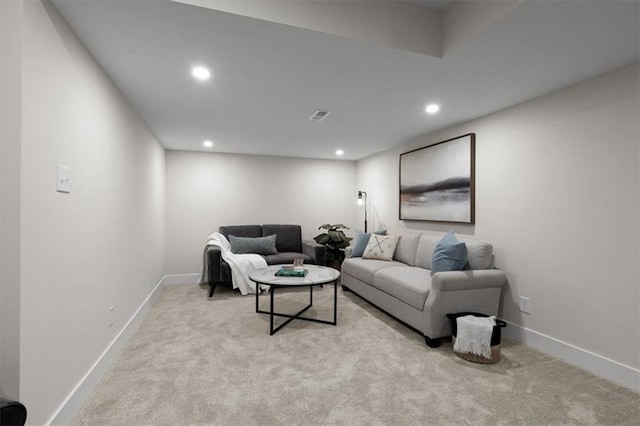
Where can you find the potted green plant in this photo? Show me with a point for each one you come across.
(335, 241)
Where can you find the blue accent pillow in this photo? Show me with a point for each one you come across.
(359, 243)
(259, 245)
(449, 255)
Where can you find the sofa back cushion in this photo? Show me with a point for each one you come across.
(252, 231)
(424, 252)
(479, 253)
(406, 249)
(289, 237)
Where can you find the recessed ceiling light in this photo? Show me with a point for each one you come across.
(201, 73)
(339, 152)
(207, 144)
(432, 108)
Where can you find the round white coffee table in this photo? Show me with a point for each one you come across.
(317, 275)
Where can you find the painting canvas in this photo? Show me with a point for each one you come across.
(437, 182)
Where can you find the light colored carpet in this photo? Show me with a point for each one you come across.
(199, 361)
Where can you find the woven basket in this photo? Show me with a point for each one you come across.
(495, 339)
(495, 355)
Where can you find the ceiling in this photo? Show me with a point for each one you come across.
(269, 78)
(432, 4)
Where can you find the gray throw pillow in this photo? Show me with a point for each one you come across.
(381, 247)
(259, 245)
(449, 255)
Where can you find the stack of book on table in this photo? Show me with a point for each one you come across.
(290, 271)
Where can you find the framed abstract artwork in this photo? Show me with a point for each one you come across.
(437, 182)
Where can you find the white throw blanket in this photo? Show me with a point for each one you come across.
(241, 264)
(474, 335)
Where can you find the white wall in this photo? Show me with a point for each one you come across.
(557, 194)
(10, 87)
(97, 246)
(207, 190)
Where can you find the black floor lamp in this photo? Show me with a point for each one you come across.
(362, 199)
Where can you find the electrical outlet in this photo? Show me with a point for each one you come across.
(112, 315)
(525, 305)
(63, 179)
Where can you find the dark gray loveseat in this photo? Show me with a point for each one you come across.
(289, 244)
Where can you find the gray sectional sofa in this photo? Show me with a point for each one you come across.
(405, 288)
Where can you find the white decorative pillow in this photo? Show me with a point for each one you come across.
(381, 247)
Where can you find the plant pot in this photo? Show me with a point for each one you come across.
(335, 258)
(335, 264)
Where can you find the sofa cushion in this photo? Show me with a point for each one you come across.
(406, 249)
(424, 252)
(381, 247)
(408, 284)
(449, 255)
(259, 245)
(479, 255)
(287, 257)
(289, 237)
(363, 269)
(241, 231)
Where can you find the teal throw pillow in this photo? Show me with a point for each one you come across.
(359, 243)
(449, 255)
(259, 245)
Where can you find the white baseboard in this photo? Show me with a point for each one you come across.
(609, 369)
(604, 367)
(78, 396)
(181, 279)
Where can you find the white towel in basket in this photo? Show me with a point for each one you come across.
(474, 335)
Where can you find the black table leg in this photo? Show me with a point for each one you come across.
(273, 290)
(297, 315)
(335, 302)
(257, 292)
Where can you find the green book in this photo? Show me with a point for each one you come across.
(287, 272)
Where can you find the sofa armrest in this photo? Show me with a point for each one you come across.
(214, 258)
(468, 280)
(316, 251)
(475, 290)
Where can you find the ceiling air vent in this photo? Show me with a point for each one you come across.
(319, 115)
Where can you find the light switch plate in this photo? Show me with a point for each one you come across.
(63, 183)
